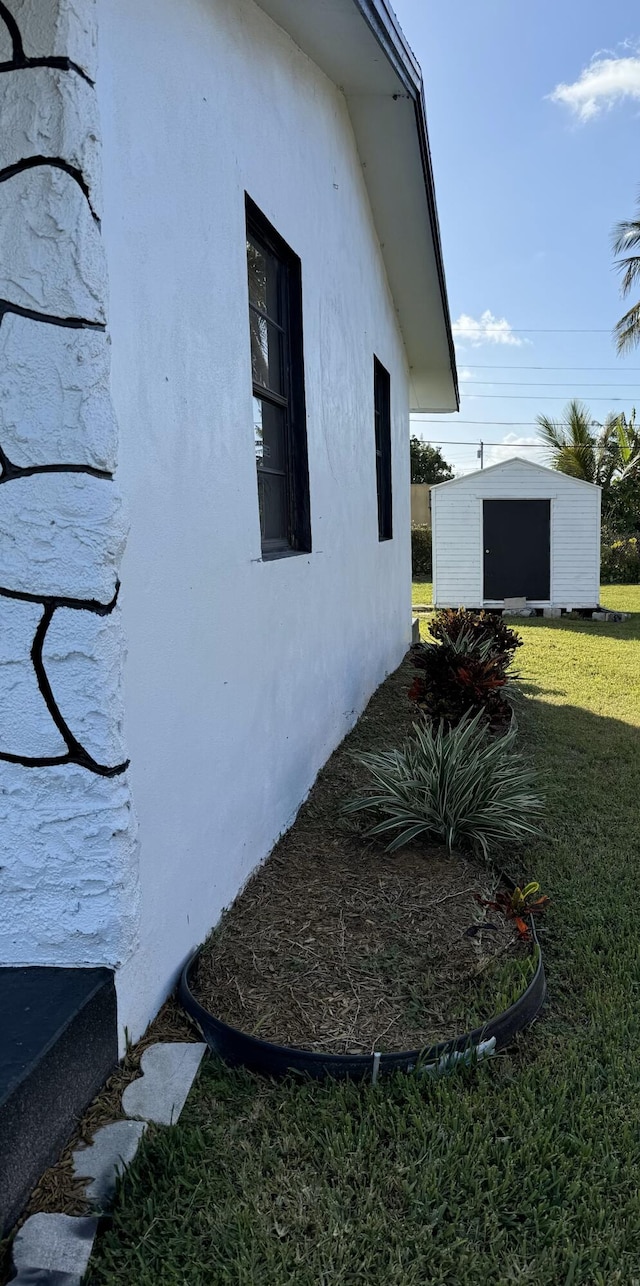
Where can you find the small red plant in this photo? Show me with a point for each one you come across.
(447, 684)
(515, 905)
(449, 623)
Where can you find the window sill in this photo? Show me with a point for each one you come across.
(273, 555)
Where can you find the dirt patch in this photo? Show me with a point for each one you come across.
(337, 946)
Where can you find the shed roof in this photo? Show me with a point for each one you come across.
(361, 48)
(556, 474)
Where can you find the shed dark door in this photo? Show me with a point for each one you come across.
(517, 549)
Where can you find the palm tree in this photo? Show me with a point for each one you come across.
(628, 435)
(580, 446)
(626, 237)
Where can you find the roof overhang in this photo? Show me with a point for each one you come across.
(360, 47)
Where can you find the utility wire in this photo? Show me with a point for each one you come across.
(542, 384)
(541, 397)
(506, 366)
(526, 446)
(487, 424)
(529, 330)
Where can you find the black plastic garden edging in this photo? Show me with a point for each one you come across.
(239, 1050)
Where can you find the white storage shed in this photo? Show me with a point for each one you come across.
(516, 529)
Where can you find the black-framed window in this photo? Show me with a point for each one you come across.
(277, 362)
(382, 416)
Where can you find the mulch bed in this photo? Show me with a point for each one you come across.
(337, 946)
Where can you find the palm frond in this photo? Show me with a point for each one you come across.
(627, 330)
(570, 443)
(629, 269)
(626, 236)
(551, 432)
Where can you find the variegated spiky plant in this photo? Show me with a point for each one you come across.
(457, 786)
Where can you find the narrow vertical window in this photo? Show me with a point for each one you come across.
(382, 415)
(277, 362)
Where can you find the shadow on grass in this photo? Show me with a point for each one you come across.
(527, 688)
(263, 1172)
(589, 769)
(626, 630)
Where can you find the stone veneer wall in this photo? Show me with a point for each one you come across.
(68, 890)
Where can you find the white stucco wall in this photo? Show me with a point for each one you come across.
(458, 545)
(68, 872)
(242, 676)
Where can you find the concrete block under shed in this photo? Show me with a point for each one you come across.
(515, 604)
(552, 612)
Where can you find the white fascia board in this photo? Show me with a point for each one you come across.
(517, 459)
(360, 47)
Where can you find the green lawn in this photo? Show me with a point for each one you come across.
(524, 1170)
(614, 596)
(421, 591)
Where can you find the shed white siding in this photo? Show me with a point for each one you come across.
(458, 544)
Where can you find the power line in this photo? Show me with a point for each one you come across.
(541, 397)
(482, 424)
(490, 331)
(526, 446)
(507, 366)
(542, 384)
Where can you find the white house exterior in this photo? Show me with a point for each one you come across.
(516, 529)
(158, 735)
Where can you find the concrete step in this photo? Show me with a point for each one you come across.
(58, 1044)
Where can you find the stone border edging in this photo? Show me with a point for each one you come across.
(54, 1249)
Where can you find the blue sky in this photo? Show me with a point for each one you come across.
(534, 119)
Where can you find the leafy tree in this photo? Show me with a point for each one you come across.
(626, 237)
(428, 463)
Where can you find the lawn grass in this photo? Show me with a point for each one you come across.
(422, 592)
(618, 597)
(526, 1169)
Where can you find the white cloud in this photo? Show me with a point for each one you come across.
(607, 80)
(509, 447)
(485, 329)
(465, 374)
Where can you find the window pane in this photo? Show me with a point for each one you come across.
(382, 418)
(272, 499)
(269, 430)
(266, 353)
(274, 277)
(263, 279)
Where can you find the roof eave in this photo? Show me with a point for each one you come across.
(385, 99)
